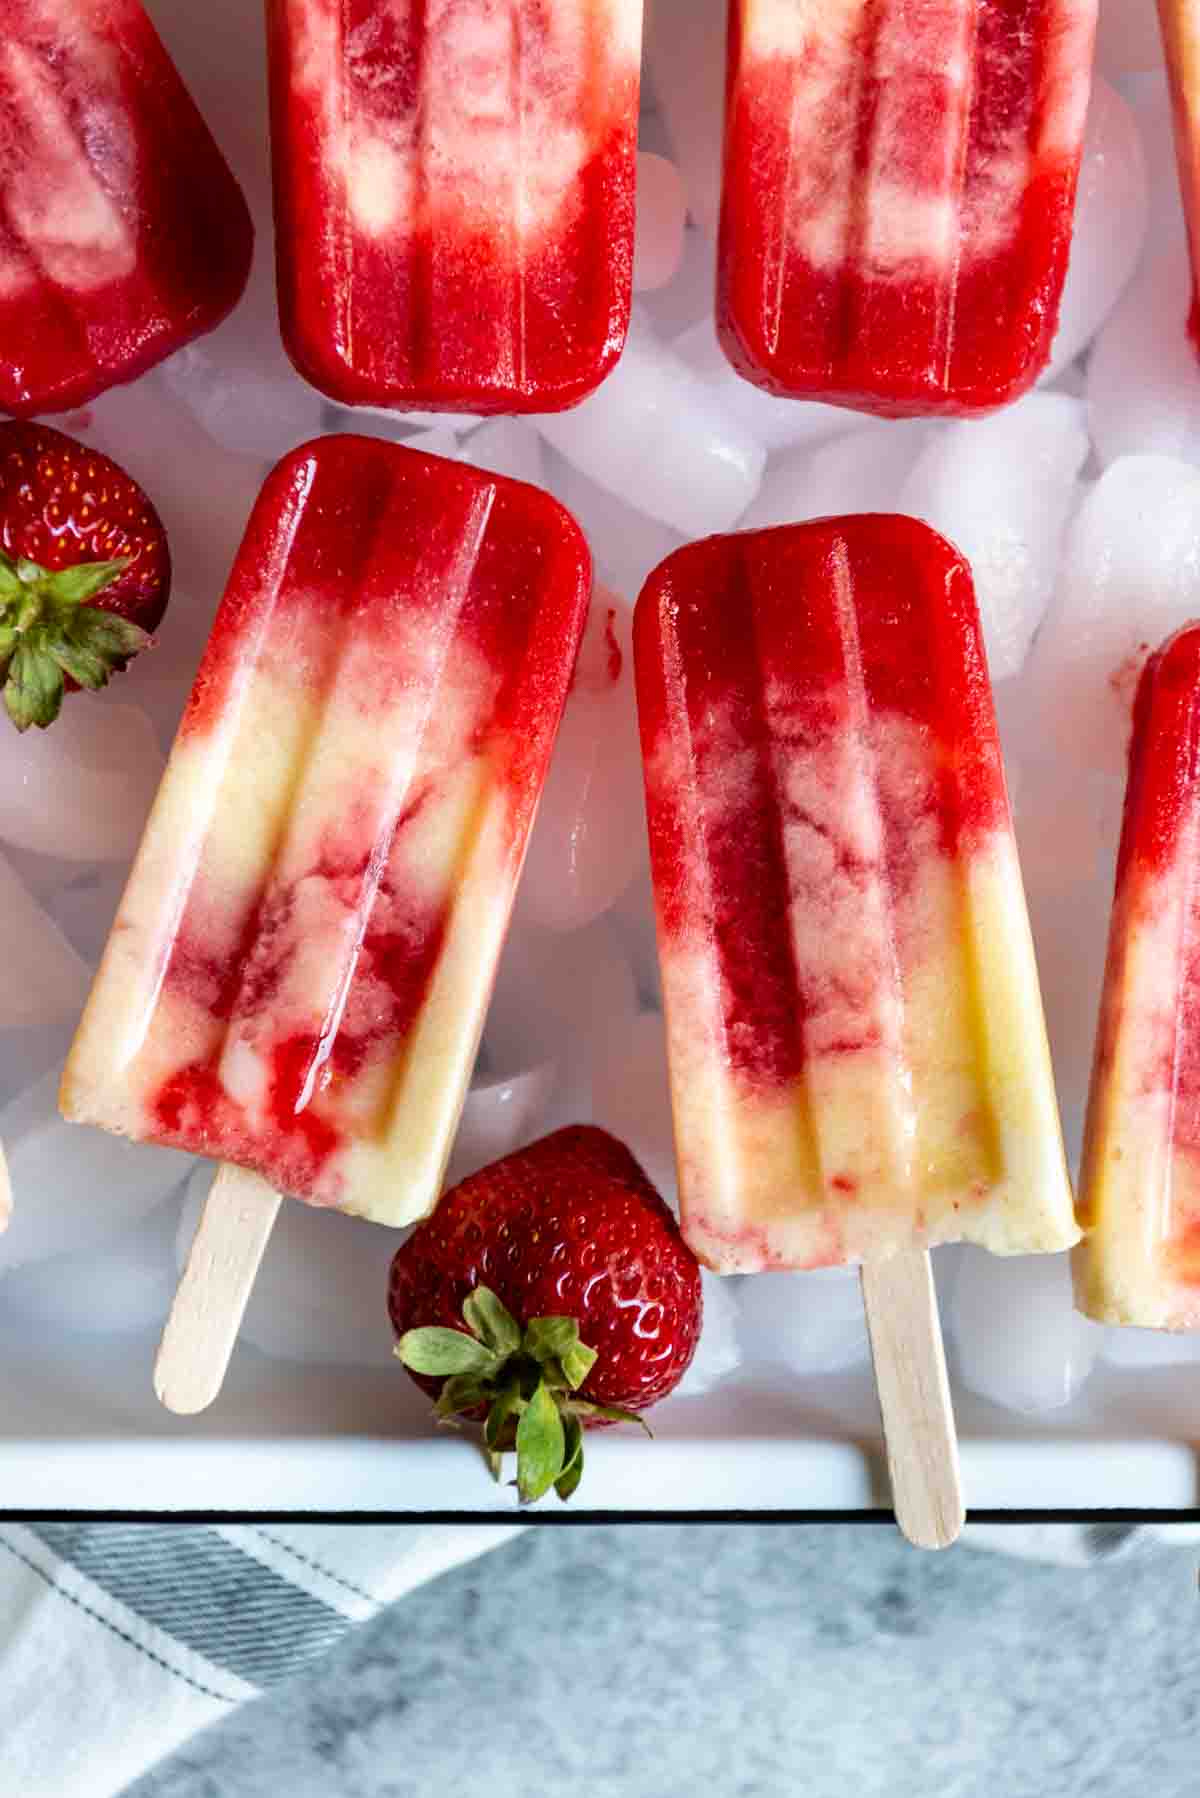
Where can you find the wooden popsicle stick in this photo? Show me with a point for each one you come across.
(229, 1243)
(914, 1397)
(5, 1192)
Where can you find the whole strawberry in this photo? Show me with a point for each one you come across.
(547, 1293)
(84, 569)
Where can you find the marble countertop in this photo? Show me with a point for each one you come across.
(630, 1661)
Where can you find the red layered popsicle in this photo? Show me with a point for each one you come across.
(298, 972)
(123, 234)
(857, 1052)
(1139, 1189)
(454, 192)
(899, 189)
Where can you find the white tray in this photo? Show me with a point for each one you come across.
(81, 1430)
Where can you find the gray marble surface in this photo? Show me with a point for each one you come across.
(631, 1661)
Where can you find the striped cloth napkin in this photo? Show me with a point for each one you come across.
(118, 1641)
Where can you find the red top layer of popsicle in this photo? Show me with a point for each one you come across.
(1160, 848)
(899, 189)
(123, 233)
(423, 618)
(454, 189)
(753, 653)
(1164, 756)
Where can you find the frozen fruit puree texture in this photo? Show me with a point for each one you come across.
(899, 187)
(298, 972)
(857, 1052)
(454, 196)
(1139, 1193)
(123, 233)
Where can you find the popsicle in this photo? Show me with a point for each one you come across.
(454, 196)
(898, 196)
(1180, 22)
(297, 976)
(123, 234)
(858, 1059)
(1139, 1189)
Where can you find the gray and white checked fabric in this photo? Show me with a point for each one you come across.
(118, 1641)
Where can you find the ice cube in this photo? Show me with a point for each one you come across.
(590, 834)
(632, 917)
(220, 50)
(688, 297)
(203, 492)
(625, 543)
(1136, 1349)
(119, 1290)
(1143, 386)
(661, 221)
(457, 423)
(1111, 212)
(809, 1323)
(41, 976)
(775, 423)
(556, 995)
(945, 1260)
(1128, 37)
(1062, 817)
(1067, 823)
(631, 1095)
(654, 436)
(27, 1054)
(502, 1113)
(162, 699)
(652, 130)
(438, 441)
(1070, 934)
(685, 54)
(507, 446)
(82, 788)
(398, 427)
(1018, 1340)
(84, 906)
(1071, 380)
(861, 471)
(1128, 578)
(1151, 106)
(74, 1187)
(718, 1353)
(239, 384)
(43, 875)
(1001, 489)
(321, 1290)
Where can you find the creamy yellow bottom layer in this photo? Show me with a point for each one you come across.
(284, 764)
(947, 1132)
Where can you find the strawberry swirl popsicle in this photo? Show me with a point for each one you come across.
(454, 196)
(898, 196)
(857, 1051)
(1139, 1190)
(297, 976)
(123, 234)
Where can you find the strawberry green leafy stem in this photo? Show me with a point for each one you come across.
(528, 1380)
(49, 631)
